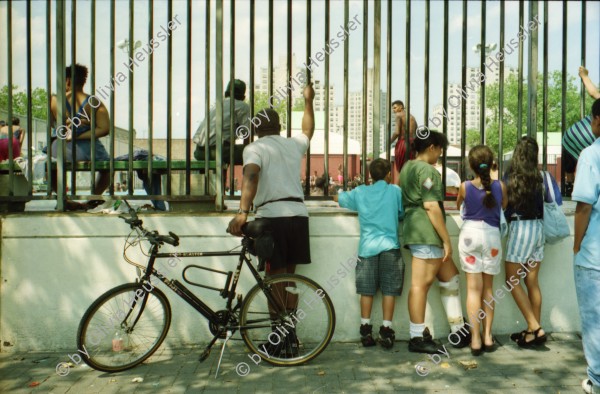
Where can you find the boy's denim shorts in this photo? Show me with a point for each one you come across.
(384, 270)
(426, 252)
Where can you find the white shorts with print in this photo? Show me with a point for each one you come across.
(480, 247)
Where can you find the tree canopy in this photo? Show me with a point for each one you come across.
(39, 102)
(511, 91)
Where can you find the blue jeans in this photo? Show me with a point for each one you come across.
(155, 189)
(587, 285)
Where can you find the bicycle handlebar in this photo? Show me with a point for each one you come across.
(153, 236)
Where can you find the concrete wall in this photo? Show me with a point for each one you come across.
(53, 266)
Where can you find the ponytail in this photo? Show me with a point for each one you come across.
(489, 201)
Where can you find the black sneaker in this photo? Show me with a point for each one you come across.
(424, 344)
(366, 335)
(386, 337)
(464, 335)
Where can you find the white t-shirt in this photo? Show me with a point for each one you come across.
(279, 160)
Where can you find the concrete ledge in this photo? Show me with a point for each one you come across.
(53, 266)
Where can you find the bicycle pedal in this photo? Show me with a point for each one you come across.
(204, 355)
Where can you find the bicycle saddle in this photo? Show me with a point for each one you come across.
(256, 228)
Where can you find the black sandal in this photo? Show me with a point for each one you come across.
(517, 335)
(537, 340)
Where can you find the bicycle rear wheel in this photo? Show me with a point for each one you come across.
(124, 327)
(293, 329)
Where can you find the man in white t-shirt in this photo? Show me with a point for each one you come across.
(270, 181)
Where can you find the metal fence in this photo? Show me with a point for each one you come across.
(57, 29)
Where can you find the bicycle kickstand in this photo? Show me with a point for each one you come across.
(229, 334)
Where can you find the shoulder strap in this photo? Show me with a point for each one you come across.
(549, 184)
(83, 104)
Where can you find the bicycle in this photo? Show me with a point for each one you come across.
(128, 323)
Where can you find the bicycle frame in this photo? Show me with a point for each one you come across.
(182, 291)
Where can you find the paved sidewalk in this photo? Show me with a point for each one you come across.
(559, 367)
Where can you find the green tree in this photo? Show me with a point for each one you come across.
(511, 86)
(298, 105)
(39, 102)
(261, 101)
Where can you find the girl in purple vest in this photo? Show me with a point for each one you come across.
(479, 244)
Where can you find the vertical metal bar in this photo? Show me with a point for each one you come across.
(463, 83)
(346, 53)
(93, 90)
(151, 93)
(251, 83)
(520, 78)
(376, 104)
(583, 45)
(426, 74)
(388, 115)
(29, 107)
(60, 101)
(501, 95)
(207, 96)
(111, 111)
(73, 112)
(188, 95)
(407, 82)
(532, 73)
(131, 52)
(289, 70)
(9, 56)
(445, 91)
(308, 42)
(219, 103)
(48, 100)
(231, 95)
(545, 91)
(326, 153)
(563, 109)
(169, 100)
(365, 91)
(482, 53)
(270, 61)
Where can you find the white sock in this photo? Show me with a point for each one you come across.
(387, 323)
(416, 330)
(365, 321)
(450, 295)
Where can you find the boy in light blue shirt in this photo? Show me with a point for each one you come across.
(586, 249)
(380, 262)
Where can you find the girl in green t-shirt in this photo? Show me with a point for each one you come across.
(425, 234)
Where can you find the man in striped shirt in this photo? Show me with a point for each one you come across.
(578, 137)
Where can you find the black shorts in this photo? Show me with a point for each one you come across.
(569, 162)
(292, 243)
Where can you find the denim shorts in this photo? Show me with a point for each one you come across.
(525, 241)
(426, 252)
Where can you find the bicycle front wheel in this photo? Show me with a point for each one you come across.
(124, 327)
(288, 323)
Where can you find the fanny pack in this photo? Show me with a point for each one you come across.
(294, 199)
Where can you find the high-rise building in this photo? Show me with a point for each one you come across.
(471, 93)
(355, 115)
(281, 84)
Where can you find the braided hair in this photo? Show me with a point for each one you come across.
(481, 159)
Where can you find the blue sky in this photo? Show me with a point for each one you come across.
(103, 76)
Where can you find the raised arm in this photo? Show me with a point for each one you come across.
(587, 82)
(308, 120)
